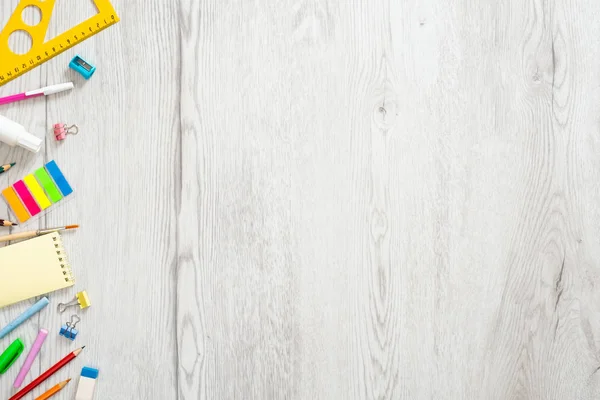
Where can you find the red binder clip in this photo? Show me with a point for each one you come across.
(62, 130)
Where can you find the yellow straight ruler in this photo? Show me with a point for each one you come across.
(14, 65)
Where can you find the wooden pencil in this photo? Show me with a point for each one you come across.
(4, 222)
(6, 167)
(37, 381)
(53, 390)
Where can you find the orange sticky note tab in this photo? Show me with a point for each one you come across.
(15, 204)
(37, 192)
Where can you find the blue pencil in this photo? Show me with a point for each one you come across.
(31, 311)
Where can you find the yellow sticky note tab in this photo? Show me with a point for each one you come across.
(37, 191)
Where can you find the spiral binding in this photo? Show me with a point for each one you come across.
(62, 259)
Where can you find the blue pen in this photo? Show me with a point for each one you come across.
(31, 311)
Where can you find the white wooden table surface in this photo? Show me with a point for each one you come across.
(327, 199)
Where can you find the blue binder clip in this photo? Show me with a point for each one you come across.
(68, 329)
(83, 67)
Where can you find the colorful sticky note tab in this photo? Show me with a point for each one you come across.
(59, 178)
(37, 192)
(26, 198)
(49, 186)
(15, 204)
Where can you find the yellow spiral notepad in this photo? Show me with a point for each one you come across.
(33, 268)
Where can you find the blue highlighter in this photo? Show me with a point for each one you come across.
(31, 311)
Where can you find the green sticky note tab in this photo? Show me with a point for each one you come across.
(48, 185)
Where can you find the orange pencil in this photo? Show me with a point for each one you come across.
(53, 390)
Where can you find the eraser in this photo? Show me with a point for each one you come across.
(87, 383)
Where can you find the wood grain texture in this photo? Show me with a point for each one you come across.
(340, 200)
(388, 200)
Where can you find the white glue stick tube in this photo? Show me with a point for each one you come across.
(14, 134)
(87, 383)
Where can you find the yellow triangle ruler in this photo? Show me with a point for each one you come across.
(14, 65)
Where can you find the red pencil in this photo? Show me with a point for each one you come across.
(70, 357)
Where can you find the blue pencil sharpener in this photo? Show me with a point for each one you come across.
(83, 67)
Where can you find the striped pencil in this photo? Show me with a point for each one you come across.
(4, 168)
(4, 222)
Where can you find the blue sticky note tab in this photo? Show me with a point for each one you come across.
(89, 372)
(59, 178)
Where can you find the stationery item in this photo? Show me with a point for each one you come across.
(59, 178)
(68, 329)
(31, 234)
(10, 355)
(46, 91)
(37, 192)
(87, 383)
(46, 181)
(62, 130)
(35, 349)
(16, 206)
(53, 390)
(84, 68)
(27, 198)
(14, 134)
(32, 268)
(13, 65)
(4, 222)
(81, 299)
(37, 381)
(30, 312)
(6, 167)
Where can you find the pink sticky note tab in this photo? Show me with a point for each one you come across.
(27, 198)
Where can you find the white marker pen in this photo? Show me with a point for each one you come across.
(14, 134)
